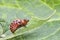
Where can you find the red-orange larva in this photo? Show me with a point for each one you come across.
(17, 24)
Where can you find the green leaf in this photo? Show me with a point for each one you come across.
(43, 15)
(48, 31)
(1, 30)
(54, 4)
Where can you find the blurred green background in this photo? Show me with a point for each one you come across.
(43, 15)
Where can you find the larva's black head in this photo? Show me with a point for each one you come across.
(26, 20)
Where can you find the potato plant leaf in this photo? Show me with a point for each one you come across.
(43, 15)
